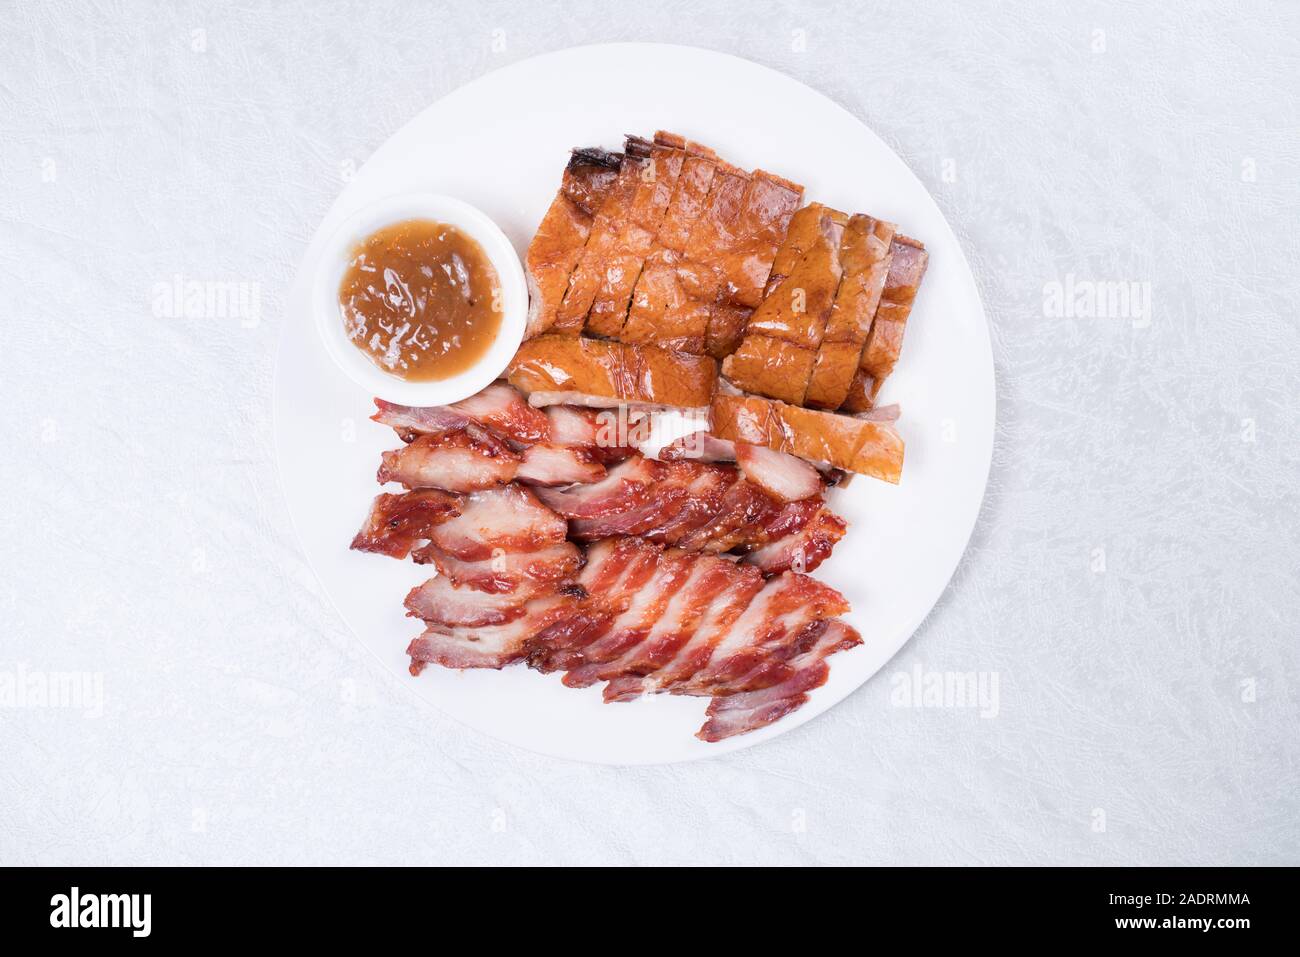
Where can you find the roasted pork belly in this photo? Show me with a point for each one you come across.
(597, 372)
(602, 247)
(777, 355)
(772, 367)
(560, 239)
(770, 203)
(660, 312)
(638, 230)
(797, 308)
(906, 269)
(846, 442)
(865, 256)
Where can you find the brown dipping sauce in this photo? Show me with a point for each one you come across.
(421, 300)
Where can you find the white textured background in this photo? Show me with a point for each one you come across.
(144, 537)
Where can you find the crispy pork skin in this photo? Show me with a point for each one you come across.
(769, 204)
(611, 373)
(804, 228)
(660, 312)
(726, 328)
(602, 245)
(559, 241)
(637, 232)
(906, 270)
(846, 442)
(771, 367)
(865, 256)
(797, 309)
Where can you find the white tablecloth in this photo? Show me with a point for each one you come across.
(1132, 584)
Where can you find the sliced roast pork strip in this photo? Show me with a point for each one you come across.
(785, 477)
(637, 233)
(694, 506)
(440, 602)
(748, 711)
(492, 646)
(458, 460)
(604, 434)
(616, 571)
(506, 571)
(774, 619)
(634, 623)
(708, 577)
(496, 521)
(498, 407)
(397, 523)
(801, 550)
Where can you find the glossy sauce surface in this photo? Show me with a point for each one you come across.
(421, 299)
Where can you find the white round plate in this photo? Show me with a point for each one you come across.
(500, 143)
